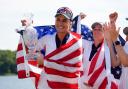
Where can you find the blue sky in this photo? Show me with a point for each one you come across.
(44, 11)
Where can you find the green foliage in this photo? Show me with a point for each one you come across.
(7, 62)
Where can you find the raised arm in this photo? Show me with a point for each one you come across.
(108, 28)
(121, 54)
(114, 59)
(113, 17)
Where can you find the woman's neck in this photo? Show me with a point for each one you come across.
(61, 35)
(97, 42)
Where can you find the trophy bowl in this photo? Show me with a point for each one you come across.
(30, 41)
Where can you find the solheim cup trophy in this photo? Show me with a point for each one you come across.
(30, 39)
(30, 36)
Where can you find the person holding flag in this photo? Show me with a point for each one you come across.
(96, 62)
(29, 64)
(63, 54)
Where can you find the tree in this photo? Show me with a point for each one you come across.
(7, 62)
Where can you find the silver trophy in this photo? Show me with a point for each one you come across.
(30, 36)
(30, 40)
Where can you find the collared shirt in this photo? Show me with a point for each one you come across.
(59, 42)
(94, 50)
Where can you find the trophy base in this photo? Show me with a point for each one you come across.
(31, 56)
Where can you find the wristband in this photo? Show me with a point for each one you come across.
(117, 42)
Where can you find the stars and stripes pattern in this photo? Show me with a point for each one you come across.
(35, 71)
(32, 66)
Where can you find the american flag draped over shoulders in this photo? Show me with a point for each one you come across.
(31, 66)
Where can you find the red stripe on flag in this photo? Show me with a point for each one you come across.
(22, 74)
(104, 84)
(93, 62)
(60, 49)
(20, 60)
(114, 85)
(78, 64)
(62, 85)
(63, 47)
(96, 74)
(78, 36)
(62, 73)
(32, 62)
(71, 55)
(19, 47)
(37, 77)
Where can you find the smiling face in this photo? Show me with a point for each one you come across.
(62, 24)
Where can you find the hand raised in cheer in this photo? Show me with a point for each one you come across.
(113, 17)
